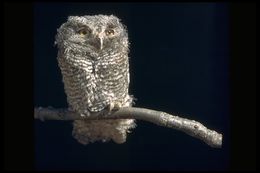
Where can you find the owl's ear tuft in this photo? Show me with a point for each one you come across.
(116, 19)
(71, 18)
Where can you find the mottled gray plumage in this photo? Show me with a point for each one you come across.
(93, 58)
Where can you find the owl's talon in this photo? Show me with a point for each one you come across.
(117, 107)
(111, 106)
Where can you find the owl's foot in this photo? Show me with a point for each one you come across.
(84, 114)
(114, 106)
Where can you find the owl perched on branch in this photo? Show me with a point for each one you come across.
(94, 62)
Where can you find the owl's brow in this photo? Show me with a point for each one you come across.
(111, 25)
(79, 23)
(82, 26)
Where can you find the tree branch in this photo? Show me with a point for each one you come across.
(191, 127)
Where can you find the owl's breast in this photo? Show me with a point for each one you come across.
(92, 83)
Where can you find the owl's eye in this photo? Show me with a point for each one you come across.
(110, 32)
(83, 31)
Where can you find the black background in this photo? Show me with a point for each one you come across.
(179, 63)
(180, 56)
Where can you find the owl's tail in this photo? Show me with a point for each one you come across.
(102, 130)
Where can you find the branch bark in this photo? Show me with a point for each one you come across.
(190, 127)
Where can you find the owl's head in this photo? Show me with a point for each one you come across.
(94, 33)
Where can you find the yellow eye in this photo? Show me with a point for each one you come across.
(83, 32)
(110, 32)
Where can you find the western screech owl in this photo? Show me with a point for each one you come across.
(94, 62)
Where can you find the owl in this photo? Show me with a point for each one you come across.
(94, 63)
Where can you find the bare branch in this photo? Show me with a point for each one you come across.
(191, 127)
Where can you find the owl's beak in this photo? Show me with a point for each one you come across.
(99, 41)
